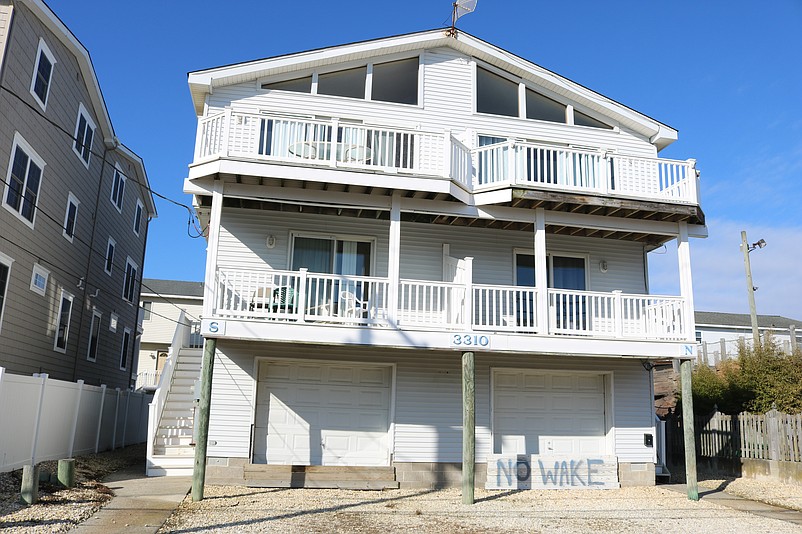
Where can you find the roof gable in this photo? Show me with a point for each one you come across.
(203, 82)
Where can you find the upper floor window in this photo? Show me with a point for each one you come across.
(84, 132)
(138, 216)
(125, 349)
(495, 94)
(129, 284)
(24, 178)
(39, 277)
(5, 275)
(562, 271)
(63, 326)
(391, 81)
(94, 336)
(70, 217)
(580, 119)
(109, 264)
(118, 188)
(543, 108)
(42, 74)
(147, 308)
(331, 255)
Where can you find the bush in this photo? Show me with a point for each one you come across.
(759, 380)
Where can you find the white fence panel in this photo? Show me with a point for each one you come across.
(60, 424)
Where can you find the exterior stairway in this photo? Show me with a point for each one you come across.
(173, 448)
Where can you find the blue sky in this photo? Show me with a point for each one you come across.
(725, 74)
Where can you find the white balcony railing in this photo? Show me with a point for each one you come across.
(338, 143)
(305, 297)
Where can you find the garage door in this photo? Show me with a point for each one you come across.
(322, 414)
(536, 412)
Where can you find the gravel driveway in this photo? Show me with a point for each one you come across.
(630, 510)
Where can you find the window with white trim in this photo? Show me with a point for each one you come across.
(94, 336)
(113, 319)
(39, 278)
(110, 248)
(118, 188)
(63, 324)
(42, 74)
(84, 134)
(138, 216)
(5, 275)
(24, 179)
(147, 309)
(125, 349)
(129, 284)
(70, 216)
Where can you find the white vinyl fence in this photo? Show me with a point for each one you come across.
(44, 419)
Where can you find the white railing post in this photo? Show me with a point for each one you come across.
(335, 126)
(448, 150)
(75, 418)
(35, 440)
(116, 413)
(224, 142)
(618, 311)
(605, 175)
(512, 170)
(693, 182)
(199, 137)
(301, 303)
(100, 416)
(468, 302)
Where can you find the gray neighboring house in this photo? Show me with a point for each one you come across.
(718, 333)
(74, 209)
(161, 304)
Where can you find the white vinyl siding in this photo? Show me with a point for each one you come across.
(427, 420)
(161, 326)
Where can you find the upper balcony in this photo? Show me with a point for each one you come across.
(534, 171)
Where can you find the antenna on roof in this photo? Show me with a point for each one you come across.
(461, 7)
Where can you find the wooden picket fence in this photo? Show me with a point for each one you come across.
(771, 436)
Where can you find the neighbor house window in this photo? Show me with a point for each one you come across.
(296, 85)
(129, 284)
(94, 336)
(396, 81)
(138, 216)
(63, 325)
(147, 308)
(109, 265)
(349, 82)
(70, 217)
(5, 275)
(23, 181)
(118, 188)
(495, 94)
(126, 346)
(84, 133)
(42, 74)
(39, 278)
(580, 119)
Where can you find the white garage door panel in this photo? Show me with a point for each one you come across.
(537, 412)
(322, 414)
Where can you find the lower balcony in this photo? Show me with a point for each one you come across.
(471, 314)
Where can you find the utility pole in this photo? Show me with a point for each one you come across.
(750, 288)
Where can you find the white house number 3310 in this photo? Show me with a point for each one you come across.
(470, 340)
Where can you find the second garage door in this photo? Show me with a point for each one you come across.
(548, 413)
(322, 414)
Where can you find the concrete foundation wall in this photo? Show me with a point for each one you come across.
(636, 474)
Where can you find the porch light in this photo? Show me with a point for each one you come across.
(603, 266)
(750, 288)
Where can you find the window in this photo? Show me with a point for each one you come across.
(113, 322)
(70, 216)
(543, 108)
(396, 81)
(94, 336)
(63, 327)
(138, 216)
(24, 179)
(84, 132)
(118, 188)
(39, 277)
(296, 85)
(129, 284)
(125, 348)
(147, 308)
(580, 119)
(562, 272)
(42, 74)
(349, 82)
(495, 94)
(5, 275)
(109, 266)
(331, 255)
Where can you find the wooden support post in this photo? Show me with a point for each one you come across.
(468, 428)
(688, 431)
(199, 471)
(66, 472)
(29, 489)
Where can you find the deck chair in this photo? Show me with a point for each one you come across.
(284, 300)
(261, 299)
(352, 307)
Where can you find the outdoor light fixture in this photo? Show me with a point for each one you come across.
(758, 244)
(750, 288)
